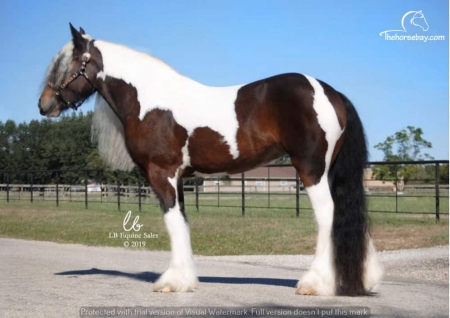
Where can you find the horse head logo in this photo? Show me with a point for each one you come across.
(417, 19)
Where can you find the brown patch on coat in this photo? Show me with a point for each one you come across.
(208, 151)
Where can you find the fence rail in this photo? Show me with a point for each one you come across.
(279, 189)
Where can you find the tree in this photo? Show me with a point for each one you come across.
(63, 144)
(405, 145)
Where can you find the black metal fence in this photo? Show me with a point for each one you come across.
(406, 187)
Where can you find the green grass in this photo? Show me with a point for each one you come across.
(418, 203)
(407, 203)
(214, 231)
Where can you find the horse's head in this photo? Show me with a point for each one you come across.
(71, 76)
(419, 20)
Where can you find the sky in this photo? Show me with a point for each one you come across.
(392, 83)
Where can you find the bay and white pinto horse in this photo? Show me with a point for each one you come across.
(170, 126)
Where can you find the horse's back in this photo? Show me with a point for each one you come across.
(276, 116)
(286, 100)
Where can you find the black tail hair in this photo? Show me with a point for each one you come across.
(350, 216)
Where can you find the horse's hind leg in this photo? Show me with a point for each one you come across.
(180, 276)
(320, 279)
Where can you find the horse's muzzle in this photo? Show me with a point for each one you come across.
(41, 111)
(49, 111)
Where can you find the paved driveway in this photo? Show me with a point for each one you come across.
(42, 279)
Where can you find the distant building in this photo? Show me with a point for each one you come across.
(279, 179)
(372, 185)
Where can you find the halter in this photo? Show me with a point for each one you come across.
(81, 72)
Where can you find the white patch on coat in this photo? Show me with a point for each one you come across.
(192, 104)
(101, 75)
(327, 118)
(186, 157)
(180, 276)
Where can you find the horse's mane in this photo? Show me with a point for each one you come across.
(107, 130)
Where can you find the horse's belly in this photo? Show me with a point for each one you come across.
(210, 154)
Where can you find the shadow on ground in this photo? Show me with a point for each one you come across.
(152, 277)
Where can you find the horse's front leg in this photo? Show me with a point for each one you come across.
(180, 276)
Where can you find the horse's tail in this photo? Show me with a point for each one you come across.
(349, 231)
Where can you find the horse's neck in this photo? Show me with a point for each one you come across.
(155, 83)
(137, 68)
(406, 19)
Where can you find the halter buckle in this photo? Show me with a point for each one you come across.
(86, 57)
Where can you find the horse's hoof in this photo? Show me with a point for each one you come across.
(171, 289)
(306, 291)
(165, 289)
(176, 280)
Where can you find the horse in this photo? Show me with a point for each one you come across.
(149, 116)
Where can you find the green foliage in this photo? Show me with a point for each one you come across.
(286, 160)
(443, 174)
(405, 145)
(63, 144)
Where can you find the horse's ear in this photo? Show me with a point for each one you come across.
(82, 32)
(77, 37)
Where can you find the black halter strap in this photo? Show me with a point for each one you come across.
(81, 72)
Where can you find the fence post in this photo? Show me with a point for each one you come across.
(196, 192)
(218, 192)
(268, 188)
(243, 193)
(57, 188)
(396, 188)
(86, 175)
(70, 193)
(7, 187)
(118, 190)
(297, 194)
(436, 184)
(31, 188)
(139, 192)
(101, 186)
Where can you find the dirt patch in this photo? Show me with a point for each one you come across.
(395, 238)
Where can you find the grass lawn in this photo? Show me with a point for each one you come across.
(214, 231)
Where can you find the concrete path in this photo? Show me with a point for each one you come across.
(43, 279)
